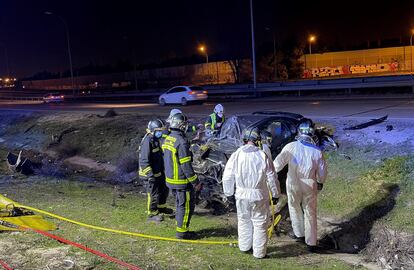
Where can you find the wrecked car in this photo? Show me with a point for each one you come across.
(210, 154)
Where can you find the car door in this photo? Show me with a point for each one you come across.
(171, 95)
(181, 93)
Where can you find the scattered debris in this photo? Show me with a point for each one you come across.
(389, 127)
(367, 124)
(17, 163)
(56, 139)
(345, 156)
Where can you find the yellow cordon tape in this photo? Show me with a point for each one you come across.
(153, 237)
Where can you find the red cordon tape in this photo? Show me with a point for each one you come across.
(98, 253)
(5, 266)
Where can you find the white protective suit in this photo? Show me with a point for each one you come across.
(253, 174)
(306, 167)
(267, 151)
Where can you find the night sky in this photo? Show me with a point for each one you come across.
(102, 32)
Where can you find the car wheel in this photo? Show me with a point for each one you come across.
(162, 102)
(184, 101)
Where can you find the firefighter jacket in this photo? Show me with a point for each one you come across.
(151, 163)
(177, 161)
(214, 122)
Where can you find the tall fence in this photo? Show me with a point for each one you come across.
(385, 60)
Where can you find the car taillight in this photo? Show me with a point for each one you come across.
(205, 92)
(191, 93)
(62, 96)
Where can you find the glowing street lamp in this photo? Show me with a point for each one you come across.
(312, 39)
(203, 49)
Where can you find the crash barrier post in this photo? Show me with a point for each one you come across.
(5, 266)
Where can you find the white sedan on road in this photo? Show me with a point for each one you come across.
(183, 95)
(53, 98)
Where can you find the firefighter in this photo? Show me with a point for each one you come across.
(151, 171)
(216, 119)
(179, 173)
(191, 128)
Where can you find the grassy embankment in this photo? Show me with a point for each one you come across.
(93, 203)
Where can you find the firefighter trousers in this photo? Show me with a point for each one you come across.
(185, 204)
(157, 194)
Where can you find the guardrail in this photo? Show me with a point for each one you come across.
(241, 89)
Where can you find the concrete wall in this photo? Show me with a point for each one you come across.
(211, 73)
(384, 60)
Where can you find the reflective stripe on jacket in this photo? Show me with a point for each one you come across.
(177, 161)
(151, 163)
(212, 121)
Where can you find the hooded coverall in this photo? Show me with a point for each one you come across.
(307, 167)
(251, 172)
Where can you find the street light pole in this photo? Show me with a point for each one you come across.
(203, 49)
(311, 39)
(253, 50)
(6, 56)
(274, 51)
(411, 53)
(134, 56)
(411, 60)
(69, 50)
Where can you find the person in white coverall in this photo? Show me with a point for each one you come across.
(252, 174)
(306, 175)
(266, 143)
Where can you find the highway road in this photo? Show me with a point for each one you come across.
(355, 107)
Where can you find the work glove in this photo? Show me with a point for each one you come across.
(320, 186)
(275, 200)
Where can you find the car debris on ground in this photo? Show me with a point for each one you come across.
(367, 124)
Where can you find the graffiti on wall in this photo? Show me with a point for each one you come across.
(349, 70)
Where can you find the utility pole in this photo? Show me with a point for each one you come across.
(69, 50)
(6, 58)
(253, 49)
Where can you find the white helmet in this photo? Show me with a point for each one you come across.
(174, 111)
(219, 110)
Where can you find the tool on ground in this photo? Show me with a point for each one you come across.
(10, 212)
